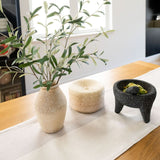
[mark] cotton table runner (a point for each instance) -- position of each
(103, 135)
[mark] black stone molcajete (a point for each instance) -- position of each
(143, 102)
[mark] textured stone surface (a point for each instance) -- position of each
(132, 90)
(143, 102)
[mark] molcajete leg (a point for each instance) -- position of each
(118, 106)
(146, 111)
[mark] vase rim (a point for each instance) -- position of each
(52, 87)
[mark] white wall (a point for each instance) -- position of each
(126, 44)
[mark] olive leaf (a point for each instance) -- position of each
(1, 9)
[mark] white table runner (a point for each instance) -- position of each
(103, 135)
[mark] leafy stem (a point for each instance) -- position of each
(58, 57)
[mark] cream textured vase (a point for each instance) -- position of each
(86, 95)
(50, 109)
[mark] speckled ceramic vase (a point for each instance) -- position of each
(50, 109)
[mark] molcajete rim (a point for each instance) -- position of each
(133, 100)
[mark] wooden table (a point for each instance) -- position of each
(18, 110)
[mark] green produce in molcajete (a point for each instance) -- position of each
(134, 88)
